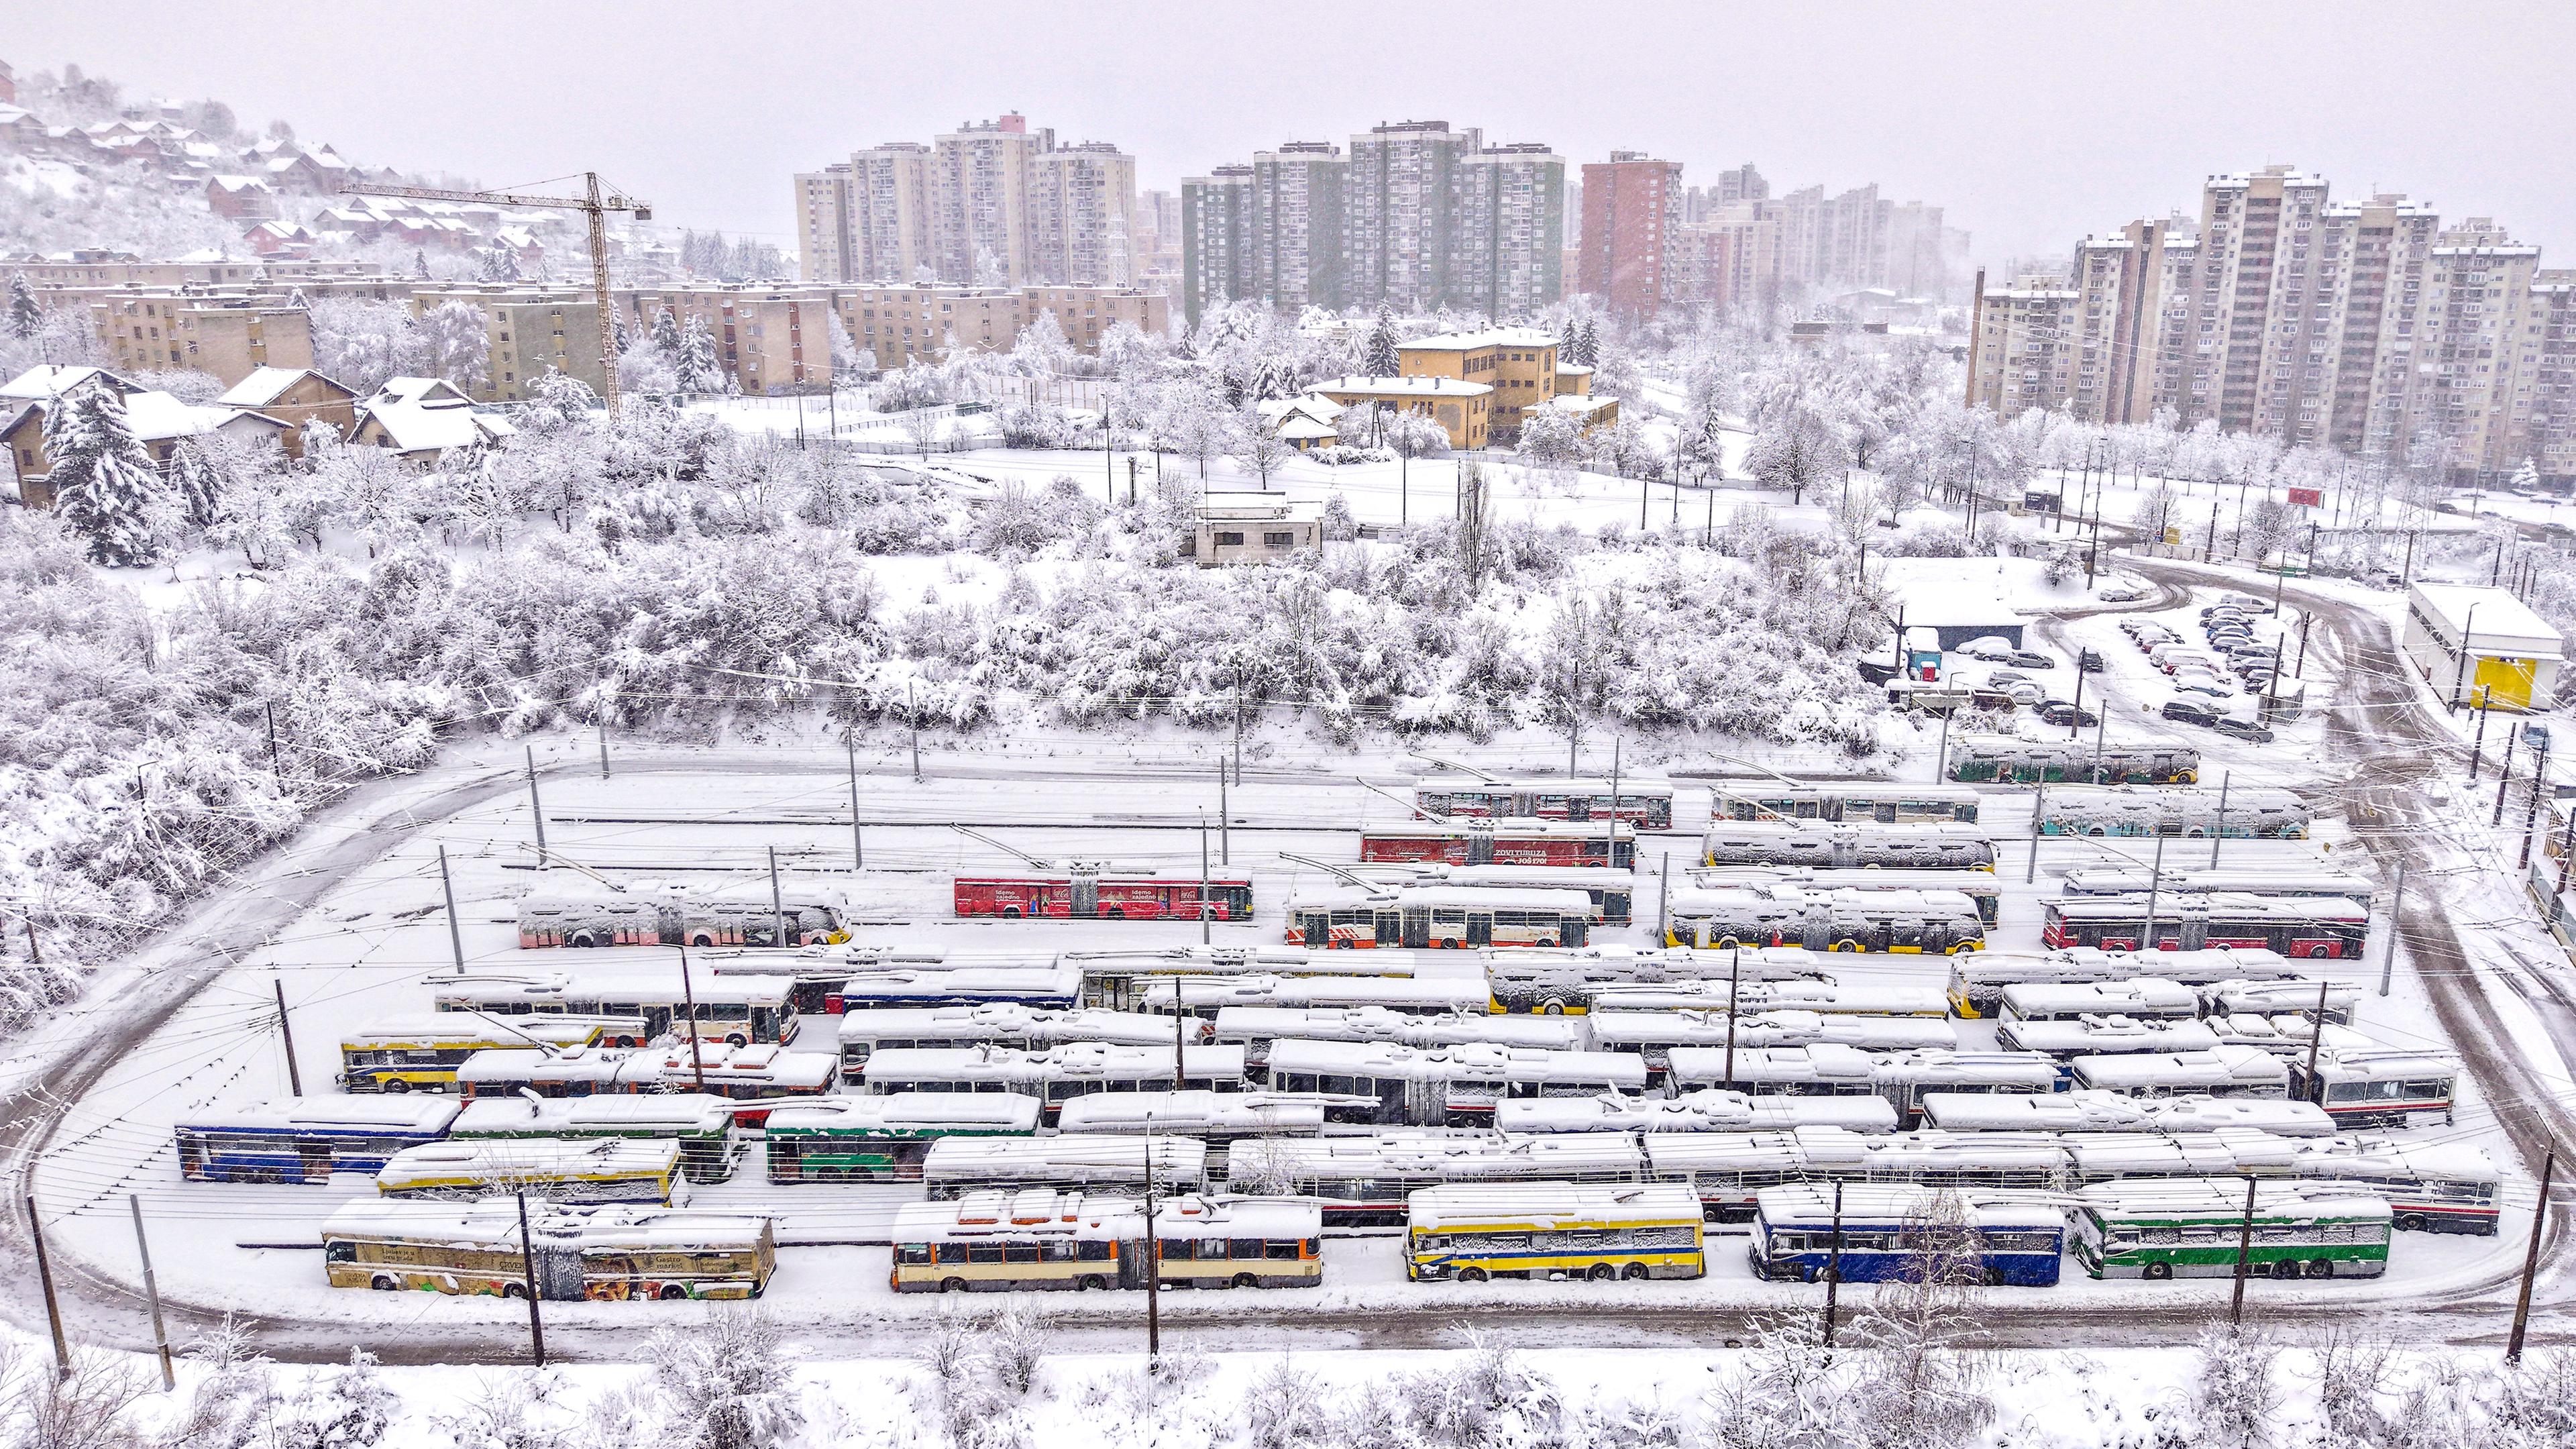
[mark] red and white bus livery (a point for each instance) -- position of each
(1646, 804)
(1439, 917)
(2329, 928)
(2377, 1086)
(1104, 897)
(1610, 844)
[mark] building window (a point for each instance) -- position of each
(1224, 540)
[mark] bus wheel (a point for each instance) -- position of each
(1602, 1273)
(514, 1290)
(1472, 1275)
(1546, 941)
(1246, 1280)
(952, 1285)
(382, 1283)
(1551, 1007)
(396, 1085)
(1847, 944)
(1633, 1272)
(737, 1039)
(1994, 1277)
(2409, 1222)
(2321, 1267)
(1807, 1273)
(1090, 1282)
(1728, 943)
(2160, 1271)
(674, 1290)
(1010, 913)
(2186, 777)
(2316, 953)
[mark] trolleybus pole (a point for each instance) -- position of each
(537, 807)
(45, 1279)
(2531, 1260)
(286, 1029)
(858, 846)
(152, 1294)
(1734, 985)
(2244, 1256)
(455, 938)
(1834, 1264)
(2038, 808)
(689, 999)
(2219, 834)
(2396, 905)
(528, 1280)
(2316, 1038)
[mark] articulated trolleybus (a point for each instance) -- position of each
(2005, 757)
(1852, 800)
(1887, 1233)
(2192, 1227)
(1722, 917)
(997, 1242)
(1846, 846)
(1083, 895)
(680, 916)
(2300, 927)
(1601, 1231)
(615, 1253)
(1646, 804)
(1439, 917)
(306, 1139)
(2192, 813)
(1478, 840)
(737, 1009)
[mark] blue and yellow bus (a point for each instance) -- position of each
(1470, 1232)
(1894, 1233)
(306, 1140)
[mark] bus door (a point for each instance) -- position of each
(2194, 933)
(1815, 931)
(1315, 928)
(1573, 931)
(559, 1274)
(1415, 1103)
(1086, 895)
(1480, 928)
(1388, 927)
(315, 1158)
(1417, 927)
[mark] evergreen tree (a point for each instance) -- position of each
(2526, 478)
(24, 315)
(419, 264)
(199, 486)
(104, 483)
(297, 300)
(666, 333)
(1381, 359)
(1569, 341)
(1588, 346)
(699, 369)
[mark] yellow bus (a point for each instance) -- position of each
(1040, 1239)
(565, 1169)
(1470, 1232)
(596, 1252)
(421, 1053)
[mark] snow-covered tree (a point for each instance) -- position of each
(1587, 343)
(698, 367)
(1041, 349)
(2526, 479)
(1550, 436)
(1339, 526)
(199, 485)
(1380, 358)
(647, 369)
(496, 263)
(666, 332)
(1792, 448)
(419, 265)
(361, 343)
(450, 343)
(989, 270)
(105, 485)
(1258, 446)
(851, 367)
(24, 315)
(561, 398)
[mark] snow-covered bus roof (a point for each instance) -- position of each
(1876, 1204)
(1192, 1112)
(493, 1222)
(2109, 880)
(1549, 1206)
(1775, 1066)
(500, 1161)
(1447, 995)
(1377, 1023)
(2091, 963)
(627, 981)
(1043, 1213)
(2064, 1001)
(1616, 1030)
(1617, 962)
(1507, 827)
(2265, 998)
(1821, 1149)
(1465, 1062)
(1712, 1109)
(897, 1113)
(2382, 1064)
(525, 1064)
(1545, 784)
(1103, 1157)
(678, 1112)
(428, 1115)
(1821, 996)
(1012, 1019)
(1771, 897)
(2034, 1070)
(1073, 1061)
(467, 1028)
(1431, 1153)
(2094, 1110)
(2222, 1199)
(929, 984)
(2223, 1066)
(1393, 895)
(2103, 1034)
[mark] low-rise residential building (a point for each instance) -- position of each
(1462, 409)
(418, 419)
(296, 396)
(1304, 423)
(1239, 528)
(242, 198)
(227, 336)
(160, 422)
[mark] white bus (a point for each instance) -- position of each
(1551, 983)
(1881, 801)
(1825, 997)
(1470, 1232)
(700, 1122)
(1055, 1076)
(1441, 1086)
(585, 1170)
(1644, 803)
(2386, 1086)
(1903, 922)
(1439, 917)
(2095, 1110)
(1037, 1240)
(1653, 1034)
(1220, 1119)
(2105, 1035)
(1708, 1110)
(2219, 1072)
(1979, 886)
(743, 915)
(1846, 847)
(736, 1009)
(1003, 1024)
(2143, 998)
(1904, 1077)
(606, 1253)
(1977, 982)
(1255, 1027)
(1822, 1070)
(1091, 1163)
(1728, 1170)
(2192, 812)
(1052, 988)
(1417, 995)
(1613, 892)
(1364, 1181)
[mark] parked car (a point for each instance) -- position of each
(1990, 649)
(2030, 659)
(2121, 593)
(2190, 712)
(2067, 712)
(2244, 729)
(2007, 676)
(2208, 684)
(2089, 660)
(2247, 602)
(2020, 691)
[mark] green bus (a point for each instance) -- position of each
(880, 1139)
(701, 1122)
(2194, 1227)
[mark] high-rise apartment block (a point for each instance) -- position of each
(2022, 353)
(1414, 215)
(992, 203)
(2369, 327)
(1632, 217)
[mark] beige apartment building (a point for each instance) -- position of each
(901, 324)
(230, 337)
(770, 339)
(528, 331)
(2023, 349)
(996, 193)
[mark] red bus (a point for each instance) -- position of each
(1611, 844)
(1088, 897)
(2299, 927)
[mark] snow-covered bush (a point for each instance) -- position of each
(726, 1383)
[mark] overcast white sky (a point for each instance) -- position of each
(2031, 123)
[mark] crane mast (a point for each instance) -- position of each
(593, 205)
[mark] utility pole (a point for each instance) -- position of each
(2531, 811)
(1663, 893)
(777, 904)
(1734, 986)
(592, 204)
(689, 1000)
(2504, 778)
(528, 1281)
(2219, 834)
(912, 713)
(1224, 816)
(45, 1279)
(1154, 1246)
(2244, 1259)
(2530, 1260)
(603, 744)
(537, 807)
(2478, 737)
(286, 1029)
(2038, 808)
(447, 887)
(858, 846)
(2155, 889)
(1203, 895)
(152, 1293)
(274, 771)
(1833, 1264)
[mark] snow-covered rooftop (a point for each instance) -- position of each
(1490, 337)
(1404, 387)
(266, 385)
(423, 414)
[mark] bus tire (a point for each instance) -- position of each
(2159, 1271)
(1847, 944)
(702, 939)
(383, 1283)
(1994, 1277)
(2409, 1223)
(952, 1285)
(1089, 1282)
(1546, 941)
(1246, 1280)
(2186, 777)
(1728, 943)
(736, 1039)
(1807, 1273)
(395, 1085)
(2321, 1267)
(1010, 913)
(514, 1290)
(1602, 1273)
(1633, 1272)
(673, 1291)
(2316, 953)
(1472, 1275)
(1551, 1007)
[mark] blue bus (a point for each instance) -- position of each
(1894, 1232)
(307, 1139)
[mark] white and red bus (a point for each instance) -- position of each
(1437, 917)
(1646, 804)
(1503, 841)
(2302, 927)
(1085, 896)
(2377, 1086)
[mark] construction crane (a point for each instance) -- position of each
(592, 204)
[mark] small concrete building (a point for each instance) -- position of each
(1238, 528)
(2480, 645)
